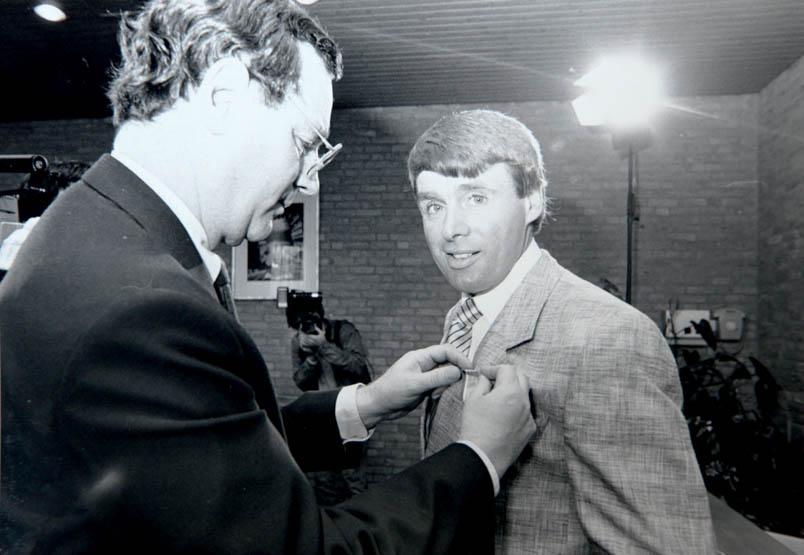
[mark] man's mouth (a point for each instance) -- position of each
(461, 259)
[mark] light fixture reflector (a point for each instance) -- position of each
(621, 93)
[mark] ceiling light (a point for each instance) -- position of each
(307, 2)
(50, 11)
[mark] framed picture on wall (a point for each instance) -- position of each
(288, 257)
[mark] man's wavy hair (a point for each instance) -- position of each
(168, 45)
(466, 144)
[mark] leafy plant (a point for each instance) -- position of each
(744, 458)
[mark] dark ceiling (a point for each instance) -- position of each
(402, 52)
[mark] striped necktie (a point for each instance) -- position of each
(460, 331)
(459, 335)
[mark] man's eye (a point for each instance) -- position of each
(477, 199)
(431, 208)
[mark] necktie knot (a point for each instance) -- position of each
(460, 331)
(467, 312)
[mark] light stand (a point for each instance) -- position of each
(633, 181)
(631, 142)
(621, 97)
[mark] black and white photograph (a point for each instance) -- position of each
(416, 277)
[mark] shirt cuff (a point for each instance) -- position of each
(350, 425)
(495, 479)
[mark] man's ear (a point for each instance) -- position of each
(534, 205)
(223, 84)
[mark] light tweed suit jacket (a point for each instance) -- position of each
(611, 468)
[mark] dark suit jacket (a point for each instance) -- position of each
(138, 415)
(612, 469)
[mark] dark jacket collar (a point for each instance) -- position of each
(116, 182)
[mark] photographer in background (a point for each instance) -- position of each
(326, 354)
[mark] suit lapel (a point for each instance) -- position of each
(516, 323)
(111, 179)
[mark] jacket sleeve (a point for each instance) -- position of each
(177, 450)
(635, 478)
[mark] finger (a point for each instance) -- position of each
(490, 372)
(481, 387)
(507, 376)
(436, 355)
(441, 376)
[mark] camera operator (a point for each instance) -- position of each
(327, 354)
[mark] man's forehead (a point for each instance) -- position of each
(494, 176)
(314, 88)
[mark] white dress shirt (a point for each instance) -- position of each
(492, 302)
(490, 305)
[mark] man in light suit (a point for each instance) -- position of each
(611, 468)
(138, 414)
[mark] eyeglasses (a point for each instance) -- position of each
(332, 151)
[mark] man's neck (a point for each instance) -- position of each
(133, 148)
(492, 302)
(176, 159)
(156, 147)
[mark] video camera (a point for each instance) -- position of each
(42, 184)
(305, 310)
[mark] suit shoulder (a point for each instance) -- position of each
(578, 300)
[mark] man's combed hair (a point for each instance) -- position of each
(466, 144)
(168, 45)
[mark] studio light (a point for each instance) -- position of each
(50, 11)
(622, 95)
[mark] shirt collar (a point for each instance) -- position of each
(492, 302)
(194, 229)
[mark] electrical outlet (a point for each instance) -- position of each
(678, 327)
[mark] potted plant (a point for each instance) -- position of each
(744, 457)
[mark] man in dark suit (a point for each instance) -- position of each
(137, 414)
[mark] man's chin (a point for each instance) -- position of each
(255, 234)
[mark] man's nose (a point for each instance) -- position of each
(455, 224)
(307, 182)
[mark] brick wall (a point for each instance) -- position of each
(781, 237)
(696, 239)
